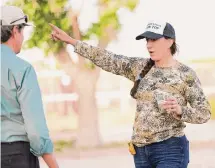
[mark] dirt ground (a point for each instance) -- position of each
(200, 157)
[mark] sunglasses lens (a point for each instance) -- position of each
(26, 19)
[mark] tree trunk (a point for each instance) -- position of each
(86, 80)
(85, 84)
(88, 130)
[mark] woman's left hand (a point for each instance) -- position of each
(172, 107)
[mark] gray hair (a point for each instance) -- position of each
(6, 32)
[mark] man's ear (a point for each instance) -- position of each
(14, 31)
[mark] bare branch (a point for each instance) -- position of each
(76, 34)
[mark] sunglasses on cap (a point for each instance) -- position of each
(25, 18)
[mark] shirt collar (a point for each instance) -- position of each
(7, 50)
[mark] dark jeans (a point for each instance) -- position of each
(18, 155)
(171, 153)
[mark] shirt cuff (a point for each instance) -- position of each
(45, 147)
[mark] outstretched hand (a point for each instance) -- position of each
(58, 34)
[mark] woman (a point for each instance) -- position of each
(162, 88)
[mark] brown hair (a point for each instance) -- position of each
(174, 48)
(6, 32)
(146, 69)
(143, 73)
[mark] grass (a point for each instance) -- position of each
(212, 103)
(110, 117)
(62, 144)
(206, 60)
(113, 117)
(61, 123)
(107, 117)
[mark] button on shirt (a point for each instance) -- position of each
(22, 114)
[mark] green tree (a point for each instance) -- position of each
(61, 14)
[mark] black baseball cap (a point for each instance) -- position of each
(156, 30)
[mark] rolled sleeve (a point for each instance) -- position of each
(29, 97)
(46, 147)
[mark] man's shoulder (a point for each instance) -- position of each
(23, 63)
(19, 65)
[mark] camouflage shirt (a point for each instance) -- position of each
(152, 124)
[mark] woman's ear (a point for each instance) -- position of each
(170, 42)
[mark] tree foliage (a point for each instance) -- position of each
(42, 12)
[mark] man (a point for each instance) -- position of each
(24, 133)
